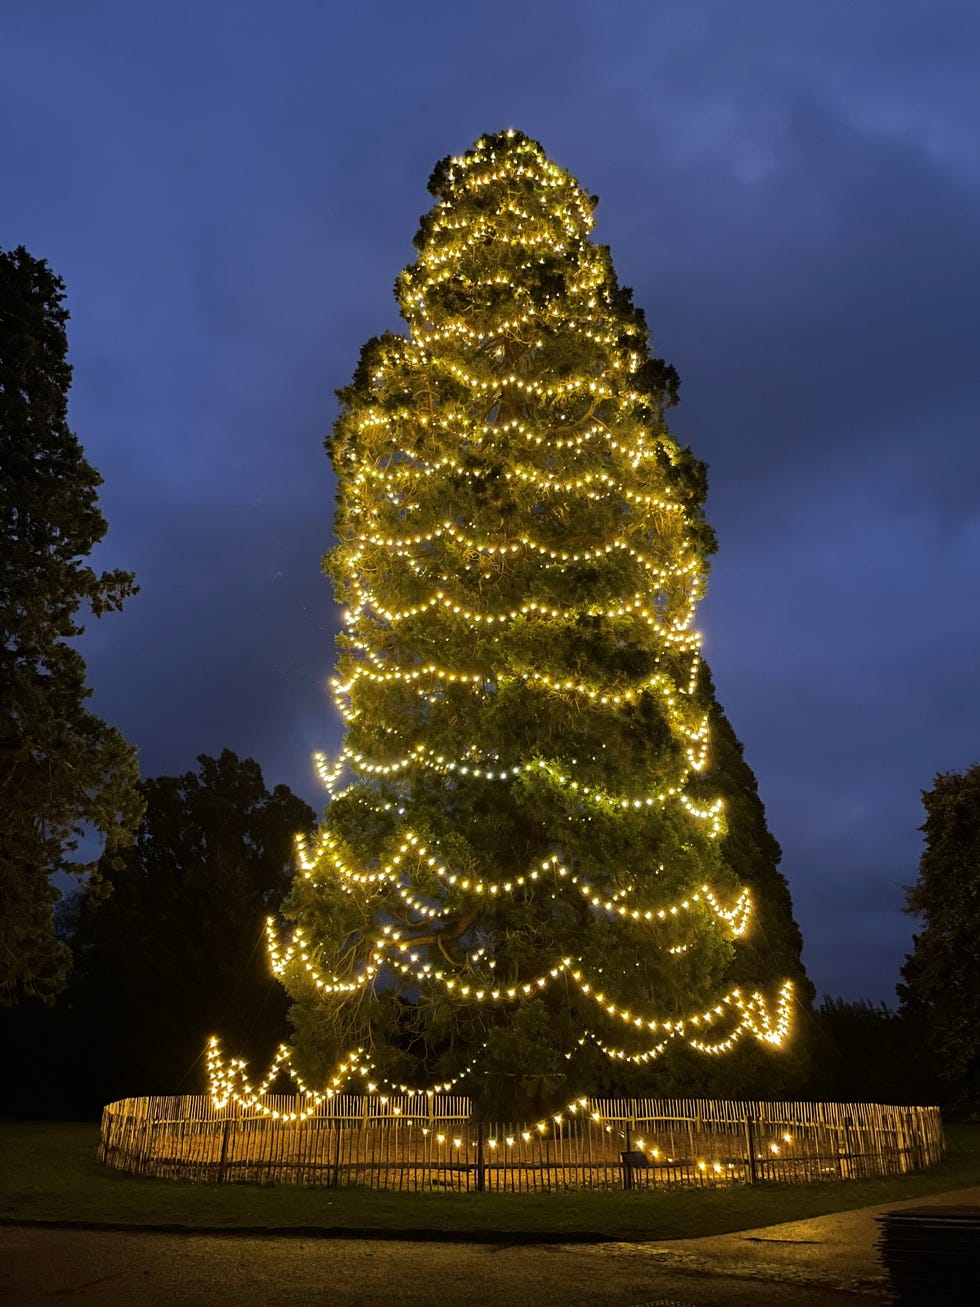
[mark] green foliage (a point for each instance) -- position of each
(773, 945)
(942, 980)
(521, 544)
(177, 951)
(64, 773)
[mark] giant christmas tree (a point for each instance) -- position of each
(513, 882)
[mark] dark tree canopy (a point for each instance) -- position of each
(64, 772)
(178, 949)
(942, 976)
(869, 1053)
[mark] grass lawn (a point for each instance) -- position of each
(49, 1172)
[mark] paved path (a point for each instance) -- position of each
(816, 1263)
(39, 1268)
(838, 1251)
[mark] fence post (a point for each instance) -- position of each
(751, 1174)
(628, 1158)
(223, 1164)
(176, 1137)
(918, 1151)
(481, 1170)
(336, 1154)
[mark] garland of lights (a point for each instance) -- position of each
(493, 507)
(736, 918)
(228, 1082)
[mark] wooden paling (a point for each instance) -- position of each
(408, 1143)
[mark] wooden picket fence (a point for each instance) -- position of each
(432, 1144)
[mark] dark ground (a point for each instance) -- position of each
(153, 1270)
(813, 1263)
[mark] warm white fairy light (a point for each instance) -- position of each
(391, 948)
(228, 1082)
(328, 850)
(753, 1019)
(635, 606)
(527, 542)
(450, 608)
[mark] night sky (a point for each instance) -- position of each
(792, 190)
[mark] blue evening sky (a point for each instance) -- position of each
(793, 191)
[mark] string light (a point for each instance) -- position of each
(328, 849)
(228, 1082)
(496, 509)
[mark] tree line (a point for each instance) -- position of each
(170, 950)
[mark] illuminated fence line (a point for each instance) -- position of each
(634, 1143)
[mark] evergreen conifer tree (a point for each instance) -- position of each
(516, 880)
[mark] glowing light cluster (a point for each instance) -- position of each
(735, 918)
(634, 606)
(515, 527)
(391, 943)
(471, 765)
(228, 1083)
(753, 1019)
(502, 548)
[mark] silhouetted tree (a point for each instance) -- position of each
(178, 949)
(872, 1054)
(942, 976)
(64, 772)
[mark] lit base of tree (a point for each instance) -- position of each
(505, 1095)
